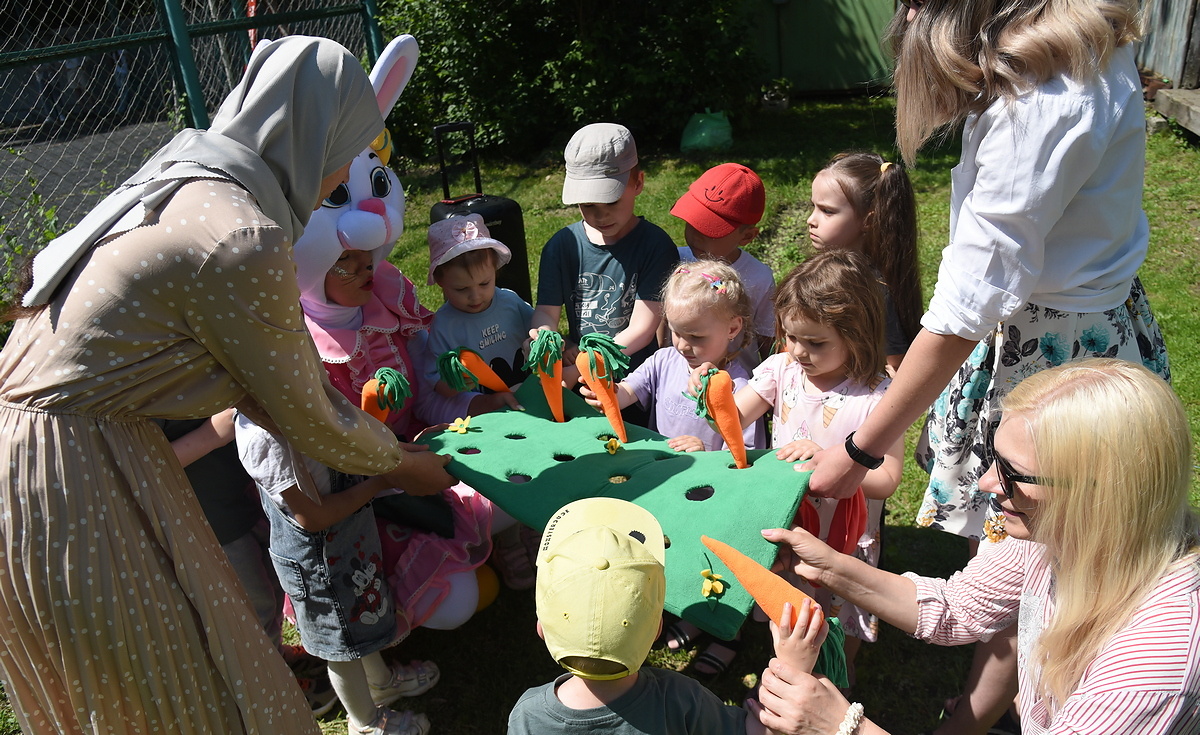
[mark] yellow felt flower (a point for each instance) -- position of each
(461, 425)
(612, 445)
(712, 584)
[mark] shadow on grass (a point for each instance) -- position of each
(490, 662)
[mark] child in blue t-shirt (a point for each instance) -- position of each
(463, 260)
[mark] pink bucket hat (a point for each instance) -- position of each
(453, 236)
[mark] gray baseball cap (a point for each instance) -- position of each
(599, 158)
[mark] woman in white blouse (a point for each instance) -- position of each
(1047, 234)
(1091, 467)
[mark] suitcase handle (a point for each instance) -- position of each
(454, 127)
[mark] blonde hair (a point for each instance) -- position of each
(710, 287)
(1113, 440)
(837, 288)
(958, 56)
(882, 197)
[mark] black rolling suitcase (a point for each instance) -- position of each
(501, 215)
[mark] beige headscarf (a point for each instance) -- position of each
(304, 108)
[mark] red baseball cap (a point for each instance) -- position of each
(722, 199)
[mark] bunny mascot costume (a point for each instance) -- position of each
(430, 576)
(174, 298)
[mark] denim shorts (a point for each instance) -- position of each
(337, 584)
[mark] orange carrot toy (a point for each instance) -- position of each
(385, 392)
(771, 591)
(458, 366)
(768, 589)
(714, 401)
(601, 365)
(545, 361)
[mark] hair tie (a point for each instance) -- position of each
(884, 166)
(715, 282)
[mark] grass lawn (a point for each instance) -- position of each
(901, 682)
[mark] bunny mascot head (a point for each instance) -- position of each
(366, 213)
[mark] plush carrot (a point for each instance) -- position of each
(768, 589)
(848, 524)
(771, 591)
(456, 366)
(809, 520)
(715, 402)
(601, 365)
(385, 392)
(545, 361)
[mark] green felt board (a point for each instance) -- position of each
(553, 464)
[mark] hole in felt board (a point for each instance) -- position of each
(519, 478)
(704, 492)
(618, 479)
(514, 436)
(606, 437)
(469, 450)
(563, 457)
(666, 541)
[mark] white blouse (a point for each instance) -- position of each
(1046, 203)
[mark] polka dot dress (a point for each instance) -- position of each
(118, 612)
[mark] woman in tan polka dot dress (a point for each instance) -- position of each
(175, 298)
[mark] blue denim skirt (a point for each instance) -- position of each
(336, 582)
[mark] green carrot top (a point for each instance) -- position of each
(394, 389)
(451, 369)
(616, 362)
(701, 397)
(545, 350)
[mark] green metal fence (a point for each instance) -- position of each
(89, 88)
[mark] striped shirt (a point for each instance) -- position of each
(1145, 680)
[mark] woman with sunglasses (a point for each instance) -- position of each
(1091, 466)
(1047, 234)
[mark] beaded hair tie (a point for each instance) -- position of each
(716, 283)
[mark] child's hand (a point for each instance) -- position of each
(570, 373)
(800, 449)
(694, 378)
(493, 402)
(427, 431)
(686, 444)
(589, 396)
(799, 645)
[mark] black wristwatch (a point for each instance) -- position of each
(858, 455)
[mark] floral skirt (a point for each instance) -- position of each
(1033, 339)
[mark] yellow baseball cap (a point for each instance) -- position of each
(600, 584)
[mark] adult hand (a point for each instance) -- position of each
(809, 555)
(686, 443)
(834, 474)
(798, 703)
(421, 473)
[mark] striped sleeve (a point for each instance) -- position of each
(1147, 679)
(976, 603)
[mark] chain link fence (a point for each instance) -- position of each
(89, 89)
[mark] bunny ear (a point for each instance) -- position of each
(393, 70)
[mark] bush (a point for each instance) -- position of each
(530, 72)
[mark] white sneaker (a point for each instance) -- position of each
(408, 680)
(390, 722)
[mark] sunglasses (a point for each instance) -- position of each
(912, 4)
(1004, 470)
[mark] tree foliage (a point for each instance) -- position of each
(530, 72)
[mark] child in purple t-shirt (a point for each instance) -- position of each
(707, 310)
